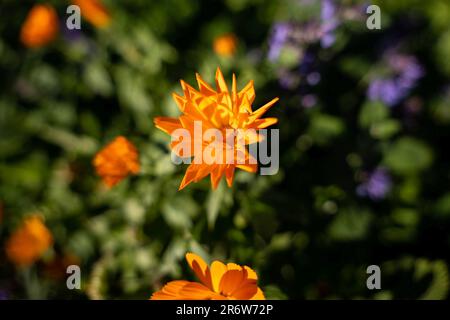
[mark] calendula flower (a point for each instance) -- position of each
(28, 242)
(40, 26)
(228, 112)
(218, 282)
(225, 45)
(116, 161)
(94, 11)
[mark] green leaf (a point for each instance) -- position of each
(372, 113)
(324, 128)
(97, 78)
(442, 207)
(289, 57)
(385, 129)
(442, 50)
(408, 156)
(178, 212)
(214, 203)
(438, 288)
(355, 66)
(350, 225)
(273, 292)
(406, 217)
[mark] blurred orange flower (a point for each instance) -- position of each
(28, 242)
(40, 26)
(94, 11)
(225, 45)
(56, 269)
(218, 282)
(116, 161)
(221, 110)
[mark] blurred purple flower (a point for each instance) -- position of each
(328, 10)
(279, 37)
(309, 101)
(377, 185)
(313, 78)
(406, 71)
(329, 23)
(287, 79)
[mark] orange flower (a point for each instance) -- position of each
(225, 45)
(40, 26)
(116, 161)
(94, 11)
(28, 242)
(220, 110)
(56, 269)
(218, 282)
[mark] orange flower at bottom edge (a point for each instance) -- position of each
(218, 282)
(94, 11)
(28, 242)
(40, 26)
(116, 161)
(225, 45)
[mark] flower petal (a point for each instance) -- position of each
(171, 291)
(196, 291)
(231, 281)
(258, 113)
(220, 81)
(218, 269)
(204, 87)
(167, 124)
(201, 269)
(259, 295)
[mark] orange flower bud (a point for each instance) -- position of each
(28, 242)
(225, 45)
(94, 11)
(116, 161)
(40, 26)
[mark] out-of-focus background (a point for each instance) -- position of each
(364, 119)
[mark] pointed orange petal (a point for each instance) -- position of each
(248, 91)
(216, 175)
(220, 81)
(245, 106)
(248, 167)
(263, 123)
(167, 124)
(258, 113)
(180, 101)
(194, 173)
(189, 92)
(229, 174)
(204, 87)
(234, 94)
